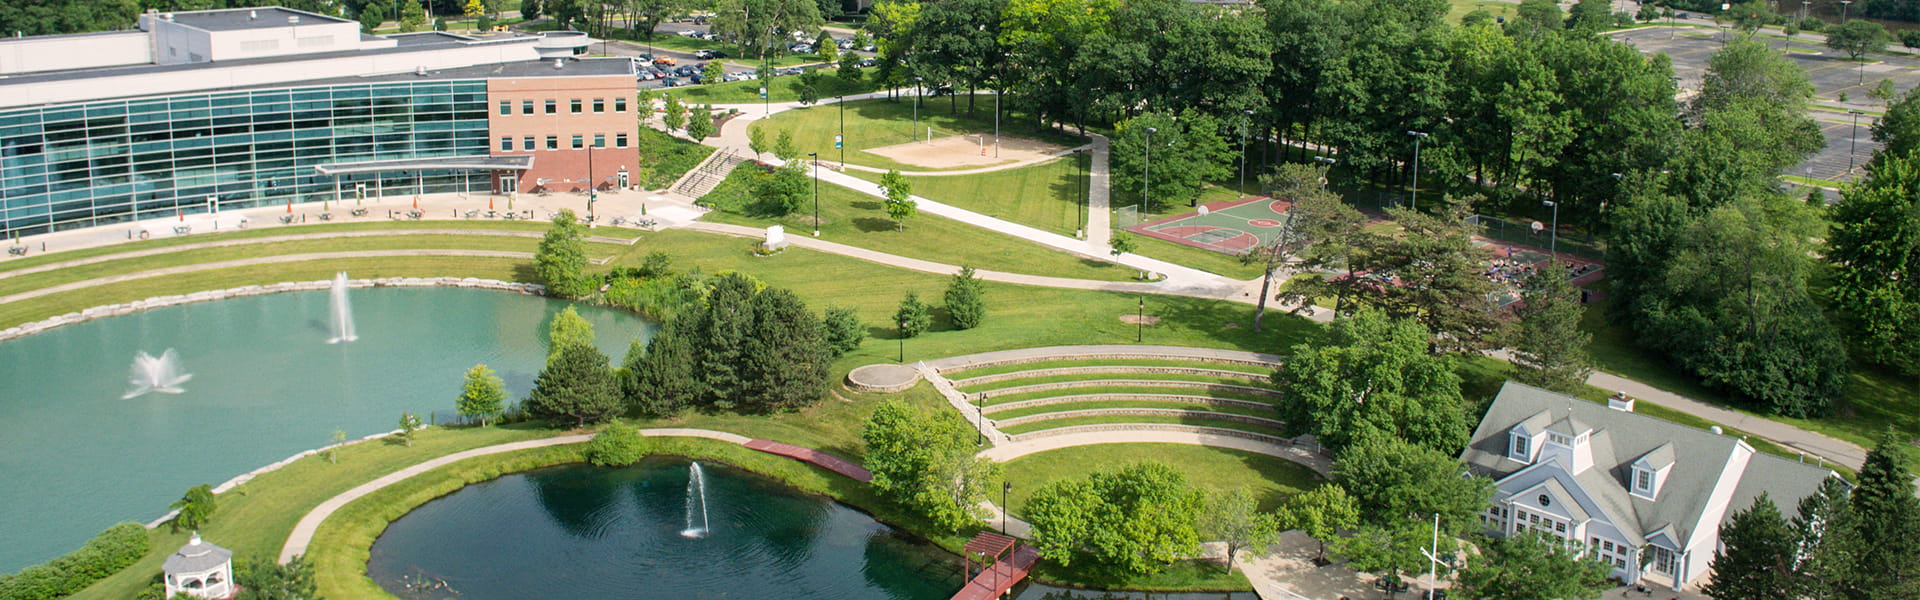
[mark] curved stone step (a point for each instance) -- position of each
(1078, 398)
(1068, 385)
(1109, 369)
(1139, 412)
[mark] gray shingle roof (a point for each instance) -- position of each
(196, 556)
(1698, 457)
(234, 19)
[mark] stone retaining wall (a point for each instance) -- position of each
(115, 310)
(1261, 437)
(1138, 412)
(1209, 401)
(867, 379)
(1110, 356)
(249, 475)
(1067, 385)
(1157, 370)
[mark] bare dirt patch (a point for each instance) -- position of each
(966, 151)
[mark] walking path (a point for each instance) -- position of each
(294, 238)
(260, 260)
(1099, 218)
(302, 535)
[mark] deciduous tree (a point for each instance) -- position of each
(409, 423)
(700, 124)
(1134, 519)
(560, 263)
(1393, 481)
(195, 508)
(1321, 513)
(1531, 566)
(567, 328)
(900, 203)
(483, 396)
(1234, 518)
(1372, 377)
(925, 460)
(1874, 248)
(1858, 38)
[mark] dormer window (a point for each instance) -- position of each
(1643, 482)
(1650, 471)
(1520, 449)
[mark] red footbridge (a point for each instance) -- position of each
(1003, 564)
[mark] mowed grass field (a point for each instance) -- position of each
(879, 123)
(1271, 480)
(1050, 196)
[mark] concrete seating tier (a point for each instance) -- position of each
(1084, 398)
(1151, 383)
(1145, 412)
(1109, 370)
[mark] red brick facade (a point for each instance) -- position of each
(563, 117)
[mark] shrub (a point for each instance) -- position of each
(844, 331)
(113, 550)
(617, 445)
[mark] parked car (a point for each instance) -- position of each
(706, 54)
(670, 82)
(941, 91)
(700, 20)
(844, 43)
(683, 71)
(866, 62)
(664, 61)
(801, 48)
(696, 78)
(692, 33)
(868, 48)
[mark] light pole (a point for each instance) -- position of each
(1243, 151)
(996, 123)
(1006, 489)
(915, 134)
(816, 192)
(1146, 179)
(1553, 243)
(1080, 206)
(979, 419)
(841, 141)
(1844, 5)
(1853, 138)
(1140, 323)
(1414, 203)
(903, 341)
(1326, 167)
(1433, 558)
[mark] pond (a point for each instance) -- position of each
(265, 384)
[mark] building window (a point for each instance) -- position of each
(579, 142)
(506, 144)
(619, 140)
(553, 142)
(1519, 447)
(1559, 527)
(526, 107)
(574, 105)
(552, 107)
(506, 107)
(599, 105)
(619, 105)
(526, 143)
(599, 140)
(1643, 482)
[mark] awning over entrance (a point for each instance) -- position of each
(489, 163)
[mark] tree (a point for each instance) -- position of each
(783, 191)
(828, 49)
(1132, 520)
(675, 115)
(409, 423)
(1593, 15)
(1858, 38)
(756, 137)
(720, 336)
(1874, 250)
(483, 396)
(576, 385)
(925, 460)
(913, 316)
(195, 508)
(1549, 349)
(660, 378)
(1392, 480)
(339, 437)
(763, 26)
(900, 203)
(1188, 151)
(1538, 17)
(413, 16)
(809, 88)
(1757, 557)
(617, 445)
(1821, 534)
(786, 357)
(1372, 377)
(1531, 566)
(965, 308)
(783, 147)
(1388, 549)
(648, 14)
(1322, 513)
(267, 580)
(372, 14)
(1436, 274)
(843, 330)
(1234, 518)
(1295, 183)
(700, 125)
(560, 263)
(530, 9)
(713, 72)
(849, 69)
(1884, 91)
(566, 329)
(1910, 38)
(1750, 15)
(1882, 528)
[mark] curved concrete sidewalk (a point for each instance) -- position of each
(262, 260)
(1069, 352)
(303, 531)
(272, 239)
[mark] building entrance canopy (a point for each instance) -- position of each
(441, 163)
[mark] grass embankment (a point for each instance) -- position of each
(784, 88)
(1189, 256)
(1232, 410)
(1197, 420)
(994, 399)
(1025, 381)
(880, 123)
(856, 219)
(1131, 362)
(666, 158)
(1049, 196)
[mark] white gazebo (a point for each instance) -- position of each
(200, 569)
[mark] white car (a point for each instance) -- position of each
(690, 33)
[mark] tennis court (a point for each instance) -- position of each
(1228, 227)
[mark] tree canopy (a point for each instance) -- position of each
(1372, 377)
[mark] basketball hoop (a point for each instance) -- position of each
(1538, 227)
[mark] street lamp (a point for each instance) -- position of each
(816, 192)
(1414, 203)
(1080, 207)
(979, 419)
(841, 140)
(903, 340)
(1243, 151)
(1853, 138)
(1553, 244)
(915, 134)
(1140, 323)
(1844, 5)
(1147, 177)
(1006, 489)
(1433, 559)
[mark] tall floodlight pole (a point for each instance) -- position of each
(1414, 202)
(842, 141)
(1844, 5)
(1853, 140)
(916, 108)
(1553, 243)
(1243, 151)
(996, 123)
(816, 192)
(1326, 166)
(1433, 559)
(1146, 179)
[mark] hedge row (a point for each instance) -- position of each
(114, 549)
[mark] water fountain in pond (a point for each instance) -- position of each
(696, 494)
(151, 374)
(341, 311)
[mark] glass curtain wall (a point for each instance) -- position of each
(105, 162)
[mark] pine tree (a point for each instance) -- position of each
(913, 316)
(843, 330)
(964, 306)
(1885, 528)
(577, 386)
(786, 358)
(1757, 556)
(722, 341)
(560, 263)
(1549, 349)
(1822, 537)
(700, 124)
(483, 396)
(660, 379)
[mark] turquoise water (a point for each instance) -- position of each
(75, 457)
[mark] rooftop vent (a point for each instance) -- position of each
(167, 16)
(559, 63)
(1715, 429)
(253, 14)
(295, 19)
(420, 70)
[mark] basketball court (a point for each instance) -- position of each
(1229, 227)
(968, 150)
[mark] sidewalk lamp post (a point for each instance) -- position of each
(1844, 5)
(1553, 239)
(840, 141)
(816, 192)
(1006, 489)
(1243, 151)
(915, 134)
(903, 341)
(1146, 178)
(1140, 323)
(1080, 208)
(996, 122)
(980, 419)
(1853, 140)
(1418, 136)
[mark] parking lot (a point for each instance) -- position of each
(733, 64)
(1830, 72)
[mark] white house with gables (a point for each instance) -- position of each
(1643, 494)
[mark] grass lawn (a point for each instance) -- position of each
(856, 219)
(1131, 362)
(1025, 381)
(879, 123)
(1194, 420)
(998, 398)
(1460, 8)
(666, 158)
(785, 88)
(1050, 196)
(1271, 480)
(1189, 256)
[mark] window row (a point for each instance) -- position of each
(574, 106)
(529, 144)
